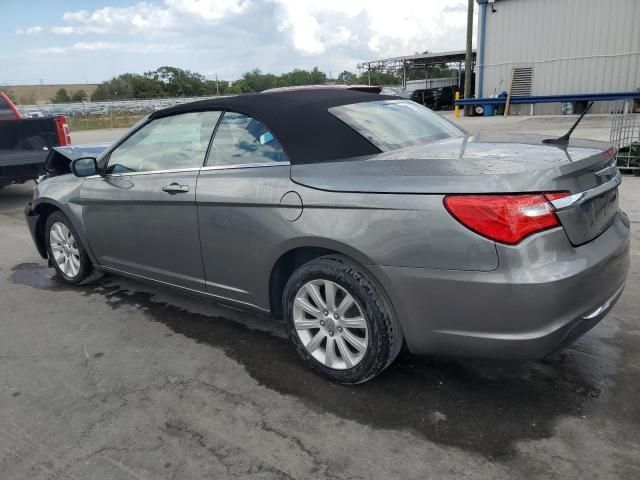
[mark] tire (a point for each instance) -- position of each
(478, 110)
(369, 320)
(66, 271)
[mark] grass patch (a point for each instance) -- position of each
(115, 120)
(630, 154)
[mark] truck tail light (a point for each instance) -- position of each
(504, 218)
(64, 134)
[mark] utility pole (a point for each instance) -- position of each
(404, 75)
(468, 58)
(217, 87)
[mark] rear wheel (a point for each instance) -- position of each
(65, 251)
(339, 321)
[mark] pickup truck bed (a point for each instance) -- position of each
(25, 144)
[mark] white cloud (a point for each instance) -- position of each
(208, 9)
(138, 18)
(48, 51)
(148, 18)
(92, 46)
(228, 37)
(77, 47)
(29, 30)
(139, 48)
(314, 26)
(389, 28)
(62, 30)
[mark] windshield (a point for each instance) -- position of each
(394, 124)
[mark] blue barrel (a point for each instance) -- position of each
(489, 110)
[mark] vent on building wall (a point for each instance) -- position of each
(521, 81)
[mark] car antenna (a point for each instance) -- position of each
(564, 139)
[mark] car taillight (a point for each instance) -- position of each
(64, 134)
(609, 153)
(504, 218)
(551, 196)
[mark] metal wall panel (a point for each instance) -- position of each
(413, 85)
(574, 46)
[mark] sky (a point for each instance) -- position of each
(89, 41)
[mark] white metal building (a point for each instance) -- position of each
(558, 47)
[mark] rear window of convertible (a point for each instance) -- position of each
(393, 124)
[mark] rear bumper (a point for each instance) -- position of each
(544, 294)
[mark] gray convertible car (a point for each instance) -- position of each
(366, 222)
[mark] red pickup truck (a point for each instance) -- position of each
(25, 142)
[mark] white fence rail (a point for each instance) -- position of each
(625, 137)
(102, 108)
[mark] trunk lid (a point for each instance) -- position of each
(482, 165)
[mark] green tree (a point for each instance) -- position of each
(379, 78)
(215, 87)
(175, 82)
(255, 81)
(433, 71)
(117, 88)
(62, 96)
(302, 77)
(144, 87)
(12, 96)
(178, 82)
(79, 96)
(347, 78)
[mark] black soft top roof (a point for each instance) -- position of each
(299, 119)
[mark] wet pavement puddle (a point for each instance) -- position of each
(479, 406)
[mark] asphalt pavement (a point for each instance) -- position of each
(122, 380)
(594, 127)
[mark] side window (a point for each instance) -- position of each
(241, 140)
(168, 143)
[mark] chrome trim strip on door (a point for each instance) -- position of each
(246, 165)
(580, 198)
(150, 172)
(225, 287)
(195, 169)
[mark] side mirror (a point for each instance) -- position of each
(84, 167)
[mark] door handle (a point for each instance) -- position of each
(174, 188)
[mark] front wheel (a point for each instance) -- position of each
(339, 320)
(65, 251)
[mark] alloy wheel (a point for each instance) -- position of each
(64, 248)
(330, 324)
